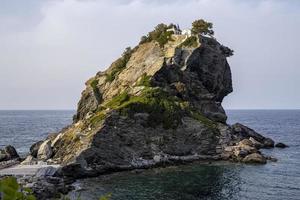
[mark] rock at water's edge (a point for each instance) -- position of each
(281, 145)
(243, 132)
(8, 153)
(29, 160)
(35, 148)
(255, 158)
(45, 151)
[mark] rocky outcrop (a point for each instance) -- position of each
(35, 148)
(281, 145)
(255, 158)
(245, 142)
(242, 131)
(45, 150)
(156, 105)
(8, 153)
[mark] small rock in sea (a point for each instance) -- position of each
(255, 158)
(268, 143)
(281, 145)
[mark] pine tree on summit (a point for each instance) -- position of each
(202, 27)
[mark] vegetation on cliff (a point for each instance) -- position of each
(190, 42)
(159, 34)
(119, 64)
(162, 107)
(145, 80)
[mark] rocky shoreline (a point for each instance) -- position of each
(51, 181)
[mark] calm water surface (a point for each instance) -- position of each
(280, 180)
(22, 128)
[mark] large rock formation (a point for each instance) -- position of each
(155, 105)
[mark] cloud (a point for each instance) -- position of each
(48, 50)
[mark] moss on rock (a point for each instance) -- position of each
(204, 120)
(97, 118)
(145, 80)
(163, 109)
(97, 93)
(190, 42)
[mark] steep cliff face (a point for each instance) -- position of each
(154, 105)
(199, 75)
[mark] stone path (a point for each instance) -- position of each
(24, 170)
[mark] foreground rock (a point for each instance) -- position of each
(8, 153)
(45, 150)
(42, 179)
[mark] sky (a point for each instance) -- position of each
(49, 48)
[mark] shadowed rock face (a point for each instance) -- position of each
(203, 80)
(154, 106)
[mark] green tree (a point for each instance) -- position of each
(119, 64)
(127, 51)
(144, 39)
(158, 30)
(203, 27)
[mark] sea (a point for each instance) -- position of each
(223, 180)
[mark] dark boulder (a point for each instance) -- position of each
(281, 145)
(244, 132)
(35, 148)
(241, 132)
(11, 152)
(8, 153)
(268, 143)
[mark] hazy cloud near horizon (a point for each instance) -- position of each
(48, 49)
